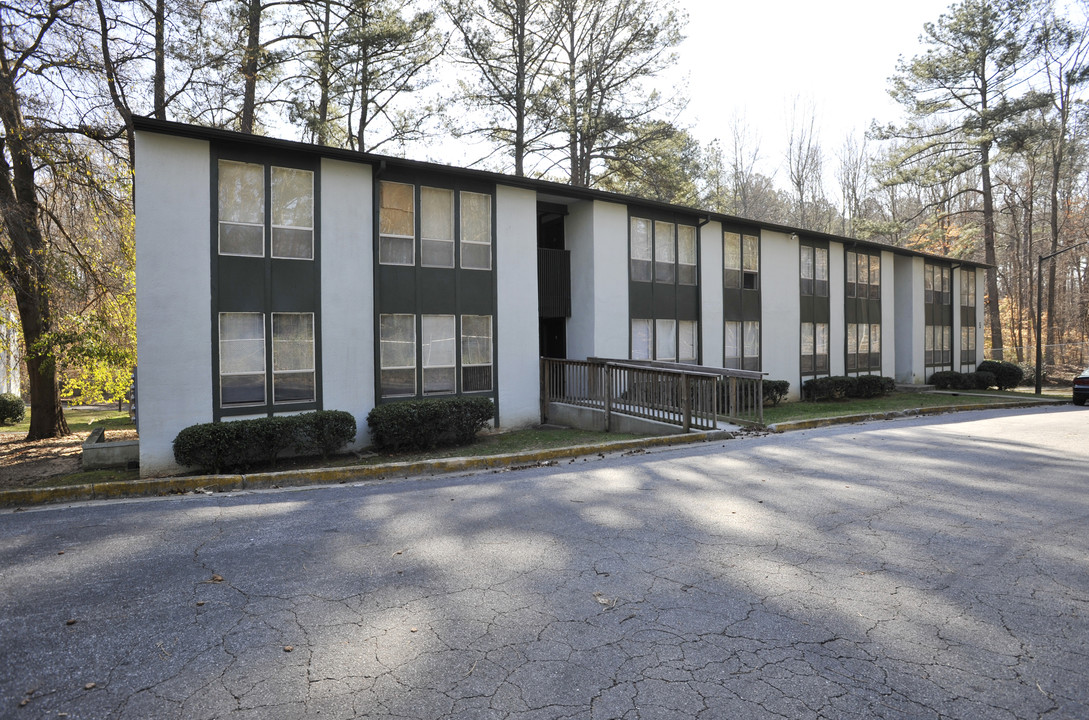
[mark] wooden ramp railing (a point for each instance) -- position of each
(690, 396)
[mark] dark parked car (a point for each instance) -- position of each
(1081, 387)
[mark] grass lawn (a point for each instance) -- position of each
(890, 403)
(82, 420)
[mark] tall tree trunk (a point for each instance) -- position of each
(322, 135)
(994, 304)
(25, 267)
(159, 82)
(249, 66)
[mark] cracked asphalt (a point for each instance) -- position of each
(919, 568)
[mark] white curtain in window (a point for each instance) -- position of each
(752, 339)
(641, 334)
(688, 343)
(665, 340)
(398, 341)
(752, 253)
(241, 343)
(476, 231)
(476, 339)
(731, 251)
(436, 227)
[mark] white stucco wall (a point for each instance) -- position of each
(888, 315)
(780, 311)
(173, 293)
(711, 322)
(517, 322)
(910, 320)
(597, 236)
(347, 291)
(837, 301)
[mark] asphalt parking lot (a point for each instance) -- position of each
(919, 568)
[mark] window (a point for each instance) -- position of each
(731, 260)
(807, 269)
(436, 227)
(292, 213)
(852, 275)
(688, 342)
(814, 357)
(814, 270)
(750, 259)
(751, 360)
(946, 285)
(875, 346)
(476, 353)
(642, 336)
(396, 224)
(438, 354)
(241, 359)
(665, 270)
(241, 209)
(293, 357)
(928, 284)
(686, 255)
(641, 253)
(875, 277)
(937, 344)
(665, 340)
(968, 288)
(967, 346)
(476, 231)
(397, 339)
(732, 353)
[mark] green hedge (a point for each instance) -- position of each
(240, 444)
(425, 424)
(775, 391)
(953, 380)
(12, 409)
(1007, 375)
(839, 387)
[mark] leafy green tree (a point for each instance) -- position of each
(960, 94)
(668, 169)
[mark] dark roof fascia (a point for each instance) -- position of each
(197, 132)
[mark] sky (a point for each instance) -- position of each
(755, 59)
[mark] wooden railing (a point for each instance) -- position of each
(691, 396)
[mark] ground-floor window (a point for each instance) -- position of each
(937, 344)
(863, 346)
(968, 346)
(243, 366)
(814, 358)
(665, 339)
(441, 353)
(742, 345)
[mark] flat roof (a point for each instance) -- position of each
(554, 190)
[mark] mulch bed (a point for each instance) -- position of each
(25, 463)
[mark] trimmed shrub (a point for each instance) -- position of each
(981, 380)
(425, 424)
(324, 432)
(871, 386)
(775, 391)
(1007, 375)
(241, 443)
(838, 387)
(211, 446)
(950, 380)
(12, 409)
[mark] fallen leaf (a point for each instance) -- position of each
(412, 630)
(200, 603)
(606, 602)
(217, 578)
(60, 552)
(24, 702)
(71, 621)
(288, 648)
(88, 686)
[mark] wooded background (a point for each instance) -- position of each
(988, 161)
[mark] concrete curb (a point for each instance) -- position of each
(915, 412)
(330, 476)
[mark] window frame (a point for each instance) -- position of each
(383, 367)
(382, 235)
(473, 243)
(465, 366)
